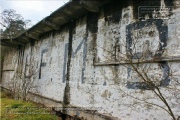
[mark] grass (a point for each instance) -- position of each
(18, 110)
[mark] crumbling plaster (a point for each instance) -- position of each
(92, 80)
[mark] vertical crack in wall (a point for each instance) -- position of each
(31, 54)
(84, 53)
(66, 99)
(20, 58)
(40, 67)
(91, 26)
(91, 30)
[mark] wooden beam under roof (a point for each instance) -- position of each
(13, 41)
(29, 35)
(91, 6)
(50, 24)
(69, 11)
(8, 44)
(17, 42)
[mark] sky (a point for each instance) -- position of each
(34, 10)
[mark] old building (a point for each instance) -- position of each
(91, 55)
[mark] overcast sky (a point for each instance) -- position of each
(34, 10)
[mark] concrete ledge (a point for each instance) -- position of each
(75, 113)
(167, 59)
(58, 107)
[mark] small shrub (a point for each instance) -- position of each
(16, 105)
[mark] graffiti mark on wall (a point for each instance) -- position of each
(158, 75)
(147, 39)
(42, 64)
(65, 61)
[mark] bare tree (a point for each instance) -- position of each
(149, 71)
(23, 80)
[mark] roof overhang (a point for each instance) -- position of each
(69, 11)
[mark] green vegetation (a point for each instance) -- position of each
(19, 110)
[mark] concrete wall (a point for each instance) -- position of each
(10, 59)
(82, 62)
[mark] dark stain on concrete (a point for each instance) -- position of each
(104, 84)
(113, 10)
(137, 3)
(92, 22)
(66, 98)
(91, 26)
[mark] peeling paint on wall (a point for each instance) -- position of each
(81, 64)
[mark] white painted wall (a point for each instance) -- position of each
(99, 88)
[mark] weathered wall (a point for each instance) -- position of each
(10, 59)
(50, 58)
(85, 57)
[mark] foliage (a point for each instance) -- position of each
(13, 24)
